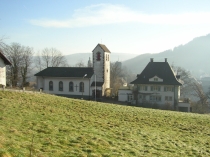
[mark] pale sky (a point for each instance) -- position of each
(135, 26)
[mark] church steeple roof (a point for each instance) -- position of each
(104, 48)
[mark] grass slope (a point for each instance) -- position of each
(45, 125)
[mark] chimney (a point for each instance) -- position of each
(151, 59)
(178, 77)
(165, 59)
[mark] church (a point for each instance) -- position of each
(90, 83)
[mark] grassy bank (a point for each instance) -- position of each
(45, 125)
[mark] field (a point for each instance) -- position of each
(44, 125)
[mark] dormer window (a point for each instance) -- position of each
(98, 58)
(155, 79)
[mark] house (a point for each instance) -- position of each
(158, 84)
(3, 62)
(79, 82)
(125, 94)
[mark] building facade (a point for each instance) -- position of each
(3, 62)
(79, 82)
(157, 84)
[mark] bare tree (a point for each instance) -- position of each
(50, 57)
(26, 63)
(53, 58)
(187, 79)
(14, 53)
(200, 106)
(38, 62)
(80, 64)
(2, 43)
(115, 77)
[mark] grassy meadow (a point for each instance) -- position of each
(42, 125)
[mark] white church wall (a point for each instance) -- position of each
(2, 73)
(40, 82)
(66, 81)
(107, 70)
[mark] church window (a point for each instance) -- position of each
(98, 58)
(51, 85)
(60, 86)
(71, 86)
(81, 86)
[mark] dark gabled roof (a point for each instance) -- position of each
(104, 48)
(6, 61)
(66, 72)
(160, 69)
(98, 84)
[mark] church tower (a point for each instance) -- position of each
(101, 67)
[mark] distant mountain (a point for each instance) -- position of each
(193, 56)
(73, 59)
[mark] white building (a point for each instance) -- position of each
(79, 82)
(3, 62)
(125, 94)
(157, 84)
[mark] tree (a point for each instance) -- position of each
(2, 43)
(21, 59)
(186, 79)
(14, 54)
(50, 57)
(201, 106)
(80, 64)
(193, 89)
(26, 63)
(115, 77)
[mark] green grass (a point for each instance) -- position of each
(47, 125)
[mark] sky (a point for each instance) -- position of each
(73, 26)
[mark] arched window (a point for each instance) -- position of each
(98, 58)
(60, 86)
(51, 85)
(71, 86)
(81, 86)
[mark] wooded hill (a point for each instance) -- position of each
(193, 56)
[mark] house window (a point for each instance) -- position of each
(130, 97)
(81, 86)
(168, 98)
(98, 58)
(51, 85)
(144, 88)
(155, 98)
(71, 86)
(168, 88)
(155, 79)
(60, 86)
(155, 88)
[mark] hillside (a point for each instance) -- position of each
(193, 56)
(46, 125)
(73, 59)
